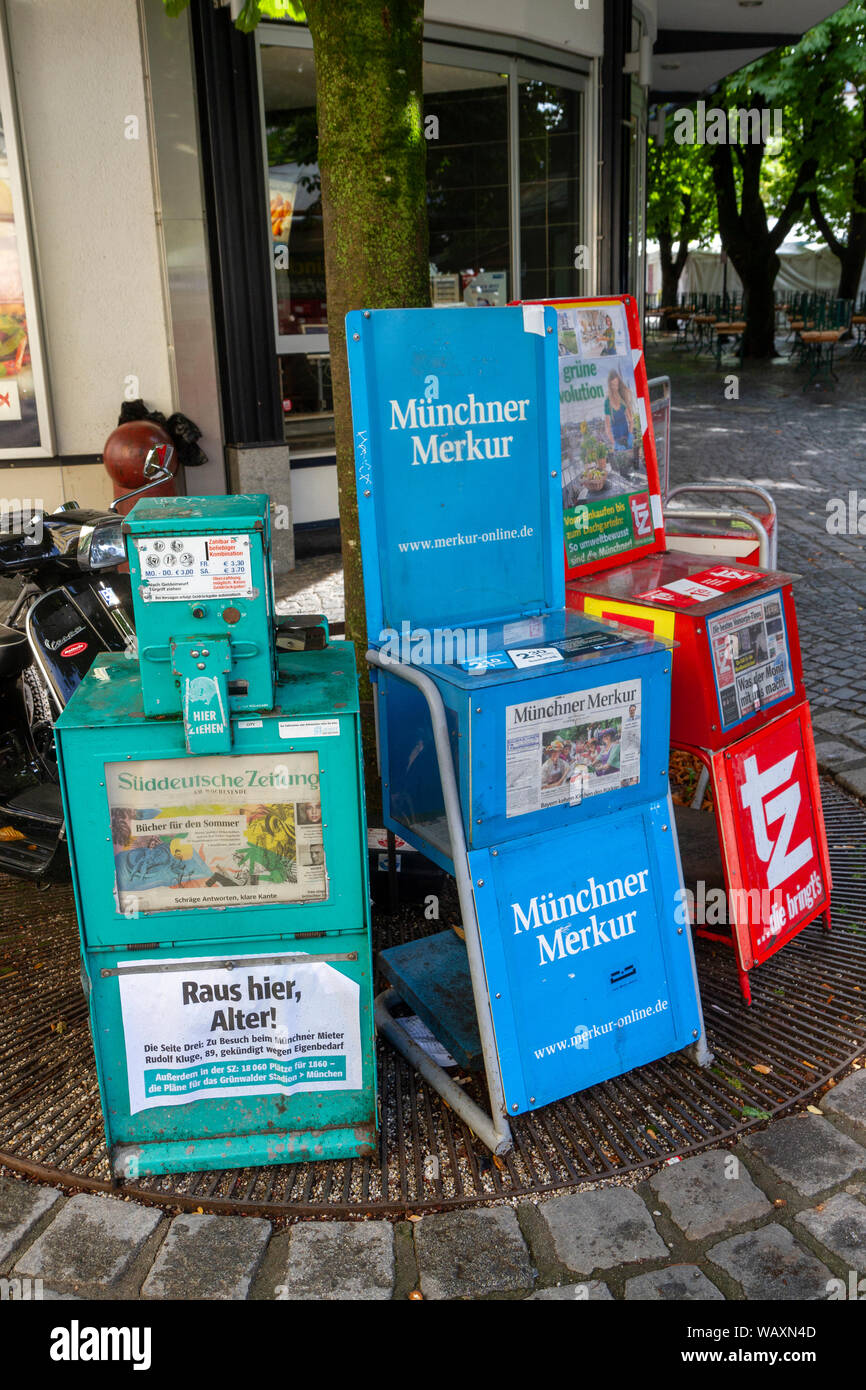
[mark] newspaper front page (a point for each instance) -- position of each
(750, 657)
(559, 750)
(216, 831)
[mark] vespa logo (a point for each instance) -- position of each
(53, 645)
(767, 809)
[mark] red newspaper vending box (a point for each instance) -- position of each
(739, 706)
(738, 702)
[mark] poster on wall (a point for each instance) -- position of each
(24, 421)
(272, 1028)
(216, 832)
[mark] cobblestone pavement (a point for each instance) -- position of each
(315, 585)
(781, 1217)
(808, 448)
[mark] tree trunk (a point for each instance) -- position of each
(372, 161)
(670, 276)
(852, 269)
(851, 256)
(748, 240)
(759, 304)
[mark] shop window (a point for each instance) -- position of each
(493, 203)
(25, 430)
(550, 167)
(466, 113)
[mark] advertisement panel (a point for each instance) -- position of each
(587, 979)
(611, 497)
(779, 835)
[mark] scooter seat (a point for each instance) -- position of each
(14, 652)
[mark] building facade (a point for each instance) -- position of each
(165, 217)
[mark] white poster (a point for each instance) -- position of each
(255, 1030)
(560, 750)
(216, 831)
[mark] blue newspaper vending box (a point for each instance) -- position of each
(523, 747)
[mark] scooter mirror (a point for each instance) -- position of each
(157, 468)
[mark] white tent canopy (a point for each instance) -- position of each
(804, 268)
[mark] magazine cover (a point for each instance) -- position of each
(605, 484)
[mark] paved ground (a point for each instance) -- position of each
(782, 1217)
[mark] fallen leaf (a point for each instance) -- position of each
(762, 1068)
(813, 1110)
(413, 1216)
(807, 1064)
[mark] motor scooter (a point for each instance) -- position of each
(74, 602)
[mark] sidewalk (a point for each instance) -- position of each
(780, 1217)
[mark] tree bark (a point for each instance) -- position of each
(372, 162)
(852, 259)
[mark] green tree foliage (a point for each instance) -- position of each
(828, 69)
(681, 206)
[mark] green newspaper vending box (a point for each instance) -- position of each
(224, 912)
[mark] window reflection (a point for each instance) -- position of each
(294, 187)
(550, 170)
(466, 112)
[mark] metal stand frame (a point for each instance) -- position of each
(495, 1132)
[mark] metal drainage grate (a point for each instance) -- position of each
(807, 1022)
